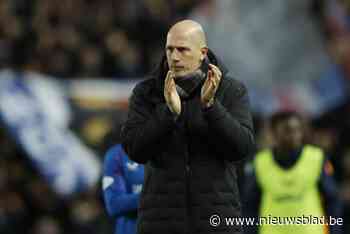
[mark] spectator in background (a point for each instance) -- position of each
(86, 215)
(345, 189)
(337, 26)
(122, 184)
(47, 225)
(291, 179)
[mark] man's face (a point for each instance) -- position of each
(289, 133)
(184, 55)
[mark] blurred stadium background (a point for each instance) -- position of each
(68, 67)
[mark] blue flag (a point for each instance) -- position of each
(55, 151)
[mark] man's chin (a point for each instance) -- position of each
(180, 74)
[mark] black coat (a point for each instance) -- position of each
(190, 169)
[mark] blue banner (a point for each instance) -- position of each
(56, 152)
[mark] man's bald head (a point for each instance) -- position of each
(191, 29)
(186, 47)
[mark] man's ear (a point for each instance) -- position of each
(204, 52)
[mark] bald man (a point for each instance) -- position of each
(189, 123)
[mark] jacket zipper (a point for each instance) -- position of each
(188, 212)
(187, 172)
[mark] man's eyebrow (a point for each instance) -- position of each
(183, 48)
(177, 47)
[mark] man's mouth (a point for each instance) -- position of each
(176, 68)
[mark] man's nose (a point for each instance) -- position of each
(175, 56)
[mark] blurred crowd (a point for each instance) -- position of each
(336, 21)
(86, 38)
(90, 38)
(121, 39)
(29, 205)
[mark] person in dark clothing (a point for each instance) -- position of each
(189, 123)
(292, 179)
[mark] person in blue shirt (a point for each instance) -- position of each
(122, 184)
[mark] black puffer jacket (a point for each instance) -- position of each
(190, 171)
